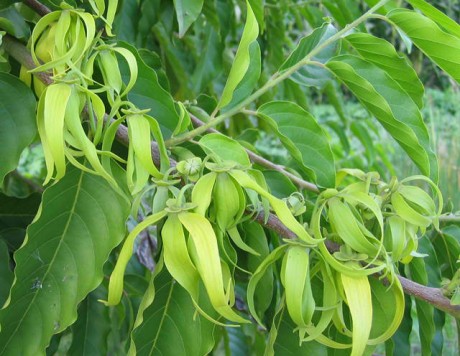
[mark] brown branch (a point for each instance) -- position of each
(38, 7)
(255, 158)
(430, 295)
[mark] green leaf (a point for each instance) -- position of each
(250, 79)
(225, 148)
(312, 75)
(82, 219)
(381, 53)
(434, 14)
(401, 338)
(17, 121)
(254, 236)
(447, 247)
(210, 61)
(13, 23)
(187, 12)
(361, 131)
(7, 3)
(148, 94)
(442, 47)
(433, 272)
(280, 185)
(171, 325)
(258, 9)
(425, 311)
(15, 215)
(242, 58)
(303, 137)
(391, 106)
(17, 212)
(287, 341)
(6, 275)
(92, 327)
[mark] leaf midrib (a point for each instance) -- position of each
(71, 212)
(166, 306)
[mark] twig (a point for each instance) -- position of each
(455, 217)
(255, 158)
(430, 295)
(38, 7)
(20, 52)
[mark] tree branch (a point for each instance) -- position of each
(430, 295)
(38, 7)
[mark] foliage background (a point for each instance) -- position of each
(194, 69)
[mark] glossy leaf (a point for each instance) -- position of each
(81, 221)
(280, 186)
(303, 137)
(187, 12)
(436, 15)
(391, 105)
(171, 325)
(148, 94)
(381, 53)
(442, 47)
(312, 75)
(17, 121)
(242, 58)
(225, 148)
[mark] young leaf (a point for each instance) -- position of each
(250, 79)
(17, 121)
(187, 12)
(242, 58)
(82, 219)
(303, 137)
(312, 75)
(381, 53)
(391, 105)
(442, 47)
